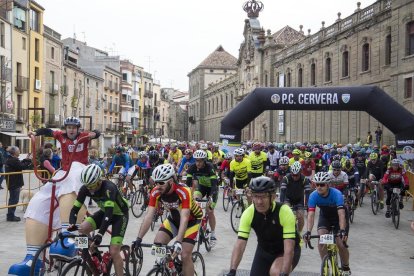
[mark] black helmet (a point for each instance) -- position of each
(120, 149)
(72, 121)
(153, 156)
(262, 184)
(336, 164)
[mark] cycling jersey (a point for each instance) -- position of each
(143, 165)
(175, 155)
(205, 176)
(123, 160)
(376, 169)
(273, 159)
(257, 162)
(109, 200)
(185, 162)
(292, 160)
(271, 229)
(328, 205)
(218, 156)
(361, 166)
(280, 173)
(396, 176)
(180, 198)
(293, 191)
(339, 182)
(241, 169)
(308, 167)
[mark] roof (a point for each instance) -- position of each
(287, 36)
(219, 59)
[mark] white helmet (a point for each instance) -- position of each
(163, 172)
(239, 151)
(228, 156)
(200, 154)
(284, 160)
(203, 146)
(90, 175)
(296, 167)
(322, 177)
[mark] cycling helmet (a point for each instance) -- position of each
(142, 154)
(90, 175)
(321, 177)
(325, 147)
(271, 146)
(296, 151)
(395, 162)
(256, 146)
(336, 164)
(200, 154)
(154, 156)
(188, 151)
(384, 147)
(120, 149)
(262, 184)
(239, 151)
(296, 167)
(315, 150)
(163, 172)
(72, 121)
(284, 160)
(302, 147)
(203, 146)
(373, 156)
(308, 154)
(228, 156)
(336, 157)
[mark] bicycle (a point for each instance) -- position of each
(238, 208)
(204, 229)
(350, 202)
(227, 194)
(49, 265)
(361, 188)
(140, 198)
(168, 264)
(375, 202)
(329, 266)
(160, 214)
(93, 261)
(395, 207)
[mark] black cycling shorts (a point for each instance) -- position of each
(241, 184)
(263, 260)
(327, 223)
(205, 191)
(119, 225)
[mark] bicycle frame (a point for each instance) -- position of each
(53, 198)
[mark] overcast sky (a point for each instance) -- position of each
(170, 38)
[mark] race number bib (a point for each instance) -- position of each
(81, 242)
(159, 251)
(140, 182)
(326, 239)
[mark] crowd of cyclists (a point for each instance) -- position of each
(281, 180)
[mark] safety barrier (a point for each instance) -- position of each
(30, 187)
(410, 176)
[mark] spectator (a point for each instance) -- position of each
(2, 161)
(46, 162)
(369, 138)
(15, 182)
(378, 134)
(56, 158)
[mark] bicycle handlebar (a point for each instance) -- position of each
(32, 138)
(308, 243)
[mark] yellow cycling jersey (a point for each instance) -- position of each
(209, 155)
(257, 161)
(241, 169)
(176, 156)
(292, 160)
(218, 156)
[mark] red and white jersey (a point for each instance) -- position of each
(395, 176)
(68, 146)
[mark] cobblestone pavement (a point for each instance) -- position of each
(376, 247)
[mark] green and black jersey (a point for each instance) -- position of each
(109, 200)
(205, 176)
(271, 229)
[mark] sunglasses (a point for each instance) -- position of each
(161, 183)
(336, 170)
(320, 184)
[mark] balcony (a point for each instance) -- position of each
(64, 90)
(53, 89)
(22, 84)
(21, 115)
(116, 87)
(106, 85)
(53, 120)
(148, 94)
(147, 110)
(6, 75)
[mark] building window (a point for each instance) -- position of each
(266, 80)
(19, 15)
(34, 21)
(328, 70)
(388, 50)
(408, 88)
(288, 79)
(37, 49)
(313, 74)
(52, 52)
(124, 76)
(23, 43)
(2, 34)
(410, 38)
(277, 80)
(365, 57)
(345, 64)
(300, 77)
(211, 71)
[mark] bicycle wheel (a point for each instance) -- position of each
(329, 267)
(135, 260)
(131, 195)
(157, 271)
(226, 199)
(200, 236)
(50, 266)
(236, 212)
(199, 265)
(206, 240)
(374, 202)
(395, 212)
(76, 267)
(352, 210)
(138, 206)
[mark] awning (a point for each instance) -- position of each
(17, 135)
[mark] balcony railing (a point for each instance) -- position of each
(6, 75)
(53, 90)
(157, 103)
(21, 115)
(148, 94)
(53, 120)
(22, 83)
(116, 87)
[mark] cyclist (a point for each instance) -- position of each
(296, 157)
(258, 160)
(240, 169)
(278, 250)
(332, 214)
(207, 185)
(353, 176)
(273, 156)
(224, 170)
(154, 159)
(121, 158)
(294, 191)
(37, 212)
(339, 179)
(113, 211)
(218, 156)
(308, 166)
(175, 155)
(375, 171)
(186, 161)
(395, 177)
(281, 171)
(204, 147)
(184, 217)
(361, 166)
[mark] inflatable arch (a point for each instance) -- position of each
(371, 99)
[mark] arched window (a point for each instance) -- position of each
(288, 79)
(410, 38)
(328, 70)
(388, 50)
(365, 57)
(345, 64)
(313, 74)
(300, 77)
